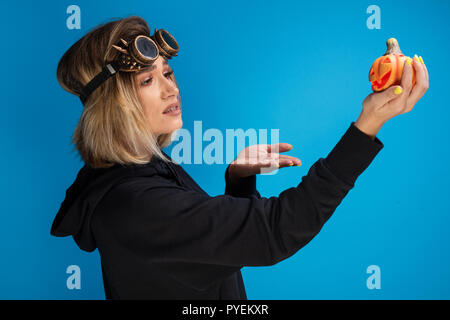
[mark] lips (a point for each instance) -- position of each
(170, 106)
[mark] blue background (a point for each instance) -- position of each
(300, 67)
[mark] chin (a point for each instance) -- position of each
(178, 124)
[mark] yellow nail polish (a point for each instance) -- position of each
(398, 90)
(408, 60)
(421, 60)
(291, 164)
(416, 58)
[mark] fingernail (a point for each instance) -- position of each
(298, 165)
(290, 164)
(421, 60)
(398, 90)
(416, 58)
(408, 60)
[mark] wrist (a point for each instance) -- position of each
(231, 173)
(368, 126)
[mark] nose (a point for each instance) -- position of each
(169, 88)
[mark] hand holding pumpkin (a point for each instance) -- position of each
(398, 98)
(387, 70)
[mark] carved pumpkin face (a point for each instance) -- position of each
(383, 71)
(387, 71)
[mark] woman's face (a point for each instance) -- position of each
(156, 92)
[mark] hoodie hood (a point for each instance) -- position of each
(88, 189)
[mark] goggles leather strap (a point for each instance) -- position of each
(108, 71)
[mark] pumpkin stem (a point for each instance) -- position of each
(392, 47)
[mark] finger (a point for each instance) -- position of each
(278, 147)
(382, 98)
(288, 159)
(420, 87)
(425, 68)
(274, 160)
(284, 161)
(407, 75)
(280, 159)
(267, 162)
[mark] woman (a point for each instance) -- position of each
(159, 235)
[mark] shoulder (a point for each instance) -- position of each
(132, 203)
(134, 194)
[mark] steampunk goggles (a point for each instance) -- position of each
(135, 55)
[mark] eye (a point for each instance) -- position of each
(148, 80)
(168, 74)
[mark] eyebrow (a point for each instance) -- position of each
(152, 67)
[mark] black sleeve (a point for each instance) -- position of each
(221, 234)
(244, 187)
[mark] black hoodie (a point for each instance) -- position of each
(160, 236)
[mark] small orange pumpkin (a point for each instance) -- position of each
(387, 70)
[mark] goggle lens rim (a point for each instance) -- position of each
(147, 48)
(169, 40)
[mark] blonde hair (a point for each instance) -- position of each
(112, 127)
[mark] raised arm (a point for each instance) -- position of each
(167, 224)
